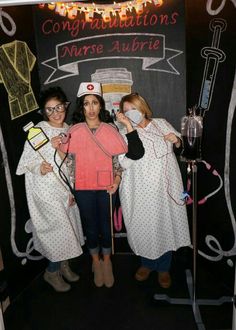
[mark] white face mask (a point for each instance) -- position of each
(135, 116)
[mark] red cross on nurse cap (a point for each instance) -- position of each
(89, 88)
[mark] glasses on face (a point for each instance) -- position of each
(61, 107)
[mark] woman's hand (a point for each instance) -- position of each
(172, 138)
(112, 188)
(45, 168)
(71, 200)
(121, 118)
(56, 141)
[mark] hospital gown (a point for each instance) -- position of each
(150, 194)
(56, 226)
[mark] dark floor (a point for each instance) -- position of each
(127, 306)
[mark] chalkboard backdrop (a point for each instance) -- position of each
(144, 54)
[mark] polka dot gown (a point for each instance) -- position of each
(57, 230)
(150, 193)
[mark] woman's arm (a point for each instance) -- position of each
(117, 170)
(174, 139)
(135, 145)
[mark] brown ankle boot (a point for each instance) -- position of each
(108, 273)
(142, 274)
(56, 281)
(164, 279)
(98, 273)
(67, 273)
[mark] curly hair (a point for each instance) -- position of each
(48, 94)
(79, 117)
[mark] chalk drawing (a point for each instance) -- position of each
(65, 65)
(213, 56)
(12, 28)
(16, 64)
(29, 248)
(219, 8)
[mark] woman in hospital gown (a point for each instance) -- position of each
(56, 226)
(150, 193)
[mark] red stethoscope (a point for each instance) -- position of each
(188, 199)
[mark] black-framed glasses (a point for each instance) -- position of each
(61, 107)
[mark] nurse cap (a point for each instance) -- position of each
(89, 88)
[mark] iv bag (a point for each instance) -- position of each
(191, 131)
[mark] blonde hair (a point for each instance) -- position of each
(139, 102)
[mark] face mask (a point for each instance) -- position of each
(135, 116)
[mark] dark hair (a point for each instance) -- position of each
(48, 94)
(79, 117)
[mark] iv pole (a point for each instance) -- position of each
(193, 164)
(192, 280)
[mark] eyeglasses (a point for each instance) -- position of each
(58, 108)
